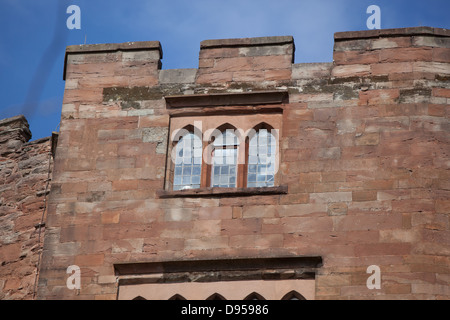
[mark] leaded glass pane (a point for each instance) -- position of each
(188, 163)
(224, 160)
(261, 160)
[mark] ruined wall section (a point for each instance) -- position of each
(24, 169)
(364, 156)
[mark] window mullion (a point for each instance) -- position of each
(242, 166)
(206, 165)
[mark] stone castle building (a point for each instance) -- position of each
(249, 177)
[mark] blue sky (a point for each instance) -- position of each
(33, 36)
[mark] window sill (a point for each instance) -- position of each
(222, 192)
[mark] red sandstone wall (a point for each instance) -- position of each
(364, 153)
(24, 170)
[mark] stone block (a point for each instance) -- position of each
(311, 70)
(377, 97)
(366, 222)
(178, 214)
(248, 76)
(277, 74)
(266, 50)
(306, 224)
(89, 260)
(297, 210)
(441, 54)
(382, 249)
(212, 78)
(66, 249)
(367, 139)
(337, 209)
(394, 42)
(399, 235)
(236, 212)
(177, 76)
(355, 57)
(405, 54)
(431, 41)
(233, 64)
(431, 67)
(241, 226)
(347, 126)
(223, 52)
(441, 92)
(334, 176)
(205, 63)
(391, 68)
(271, 62)
(217, 213)
(352, 45)
(330, 197)
(259, 212)
(388, 124)
(157, 135)
(148, 55)
(364, 195)
(207, 243)
(256, 241)
(121, 185)
(352, 70)
(332, 280)
(110, 217)
(329, 153)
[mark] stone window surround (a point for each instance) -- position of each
(272, 277)
(216, 109)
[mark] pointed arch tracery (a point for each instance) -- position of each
(293, 295)
(187, 158)
(224, 156)
(254, 296)
(262, 146)
(177, 297)
(216, 296)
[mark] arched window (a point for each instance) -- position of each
(224, 159)
(216, 296)
(254, 296)
(261, 158)
(188, 162)
(224, 156)
(177, 297)
(293, 295)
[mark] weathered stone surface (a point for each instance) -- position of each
(177, 76)
(367, 139)
(158, 135)
(24, 169)
(311, 70)
(363, 173)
